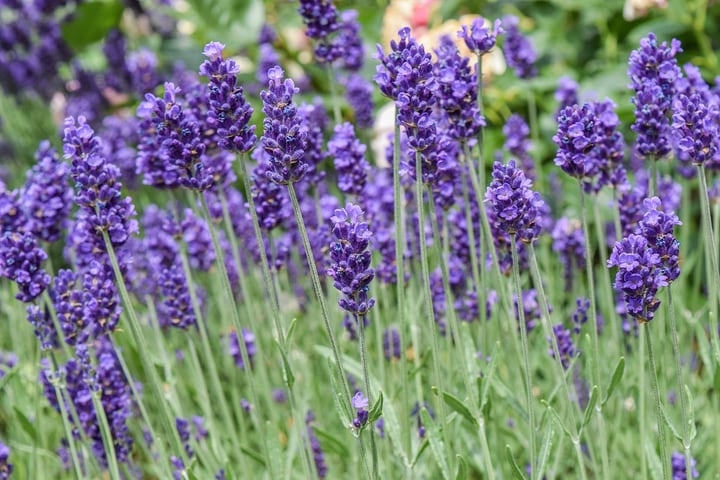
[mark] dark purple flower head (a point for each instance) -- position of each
(657, 227)
(580, 316)
(569, 244)
(271, 199)
(318, 454)
(654, 62)
(391, 344)
(267, 35)
(12, 217)
(609, 150)
(283, 139)
(350, 260)
(457, 91)
(6, 468)
(695, 124)
(566, 93)
(46, 197)
(358, 93)
(531, 308)
(513, 207)
(404, 55)
(98, 189)
(639, 276)
(21, 261)
(348, 154)
(176, 308)
(566, 349)
(142, 65)
(678, 467)
(229, 113)
(349, 42)
(519, 52)
(321, 18)
(576, 136)
(268, 57)
(478, 38)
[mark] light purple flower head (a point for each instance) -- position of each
(478, 38)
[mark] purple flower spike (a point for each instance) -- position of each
(284, 141)
(321, 18)
(249, 339)
(519, 52)
(657, 227)
(478, 38)
(21, 261)
(566, 349)
(678, 467)
(513, 207)
(360, 403)
(406, 50)
(391, 344)
(639, 276)
(358, 92)
(349, 157)
(228, 111)
(695, 122)
(350, 267)
(576, 137)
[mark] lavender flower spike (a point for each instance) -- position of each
(6, 467)
(350, 259)
(228, 111)
(21, 261)
(349, 158)
(283, 140)
(695, 122)
(478, 38)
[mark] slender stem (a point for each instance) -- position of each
(332, 82)
(711, 251)
(400, 278)
(580, 457)
(656, 397)
(485, 448)
(641, 407)
(66, 423)
(144, 352)
(681, 384)
(366, 374)
(591, 289)
(318, 291)
(616, 215)
(474, 264)
(610, 314)
(106, 435)
(526, 356)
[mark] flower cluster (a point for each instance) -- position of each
(519, 52)
(349, 158)
(391, 344)
(317, 451)
(229, 112)
(678, 467)
(513, 207)
(566, 348)
(657, 227)
(358, 92)
(21, 261)
(236, 353)
(695, 124)
(321, 18)
(576, 136)
(283, 140)
(350, 257)
(569, 244)
(478, 38)
(6, 468)
(360, 404)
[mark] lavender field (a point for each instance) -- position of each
(255, 239)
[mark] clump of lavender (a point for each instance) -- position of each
(404, 54)
(653, 71)
(695, 125)
(576, 137)
(46, 197)
(457, 92)
(579, 316)
(519, 52)
(98, 189)
(657, 226)
(6, 468)
(349, 158)
(677, 464)
(566, 348)
(236, 352)
(21, 262)
(569, 244)
(229, 113)
(513, 207)
(639, 276)
(350, 268)
(176, 309)
(609, 150)
(321, 19)
(478, 38)
(283, 140)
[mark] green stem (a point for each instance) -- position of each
(474, 264)
(485, 449)
(711, 251)
(106, 434)
(681, 384)
(371, 398)
(580, 457)
(641, 407)
(591, 289)
(144, 352)
(525, 354)
(66, 424)
(332, 82)
(610, 313)
(658, 408)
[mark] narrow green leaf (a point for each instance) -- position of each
(376, 409)
(418, 454)
(672, 428)
(253, 454)
(287, 373)
(341, 405)
(290, 333)
(590, 406)
(615, 379)
(91, 22)
(545, 451)
(331, 443)
(25, 423)
(436, 444)
(508, 397)
(517, 473)
(490, 373)
(557, 419)
(691, 414)
(653, 460)
(462, 471)
(457, 405)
